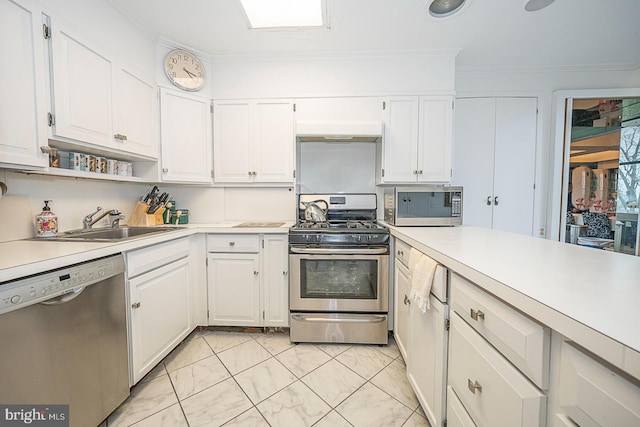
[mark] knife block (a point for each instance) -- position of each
(140, 218)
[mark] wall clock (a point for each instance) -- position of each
(185, 70)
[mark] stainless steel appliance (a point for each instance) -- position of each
(426, 205)
(64, 340)
(339, 272)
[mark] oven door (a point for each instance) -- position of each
(339, 279)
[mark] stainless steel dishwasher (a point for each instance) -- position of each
(64, 340)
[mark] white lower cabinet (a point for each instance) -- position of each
(159, 297)
(422, 339)
(491, 389)
(247, 277)
(457, 416)
(591, 393)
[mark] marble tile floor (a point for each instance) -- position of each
(215, 378)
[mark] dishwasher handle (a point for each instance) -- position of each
(64, 298)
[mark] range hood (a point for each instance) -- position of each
(338, 131)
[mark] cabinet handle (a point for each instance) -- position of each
(407, 301)
(135, 305)
(488, 200)
(415, 172)
(249, 173)
(495, 200)
(419, 172)
(232, 243)
(473, 386)
(255, 272)
(400, 253)
(165, 170)
(284, 273)
(477, 314)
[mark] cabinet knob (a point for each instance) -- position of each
(407, 301)
(415, 172)
(255, 272)
(477, 314)
(473, 386)
(135, 305)
(249, 173)
(284, 273)
(419, 172)
(232, 243)
(495, 200)
(165, 170)
(488, 200)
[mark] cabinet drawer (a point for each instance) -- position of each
(457, 416)
(492, 390)
(524, 342)
(592, 394)
(402, 252)
(142, 260)
(244, 243)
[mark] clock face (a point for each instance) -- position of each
(185, 70)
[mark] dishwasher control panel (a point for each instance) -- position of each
(41, 287)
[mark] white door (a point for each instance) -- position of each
(231, 141)
(186, 137)
(83, 81)
(135, 115)
(473, 158)
(234, 289)
(400, 139)
(272, 141)
(514, 169)
(434, 141)
(401, 309)
(275, 281)
(23, 120)
(160, 316)
(427, 364)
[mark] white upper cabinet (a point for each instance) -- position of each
(97, 100)
(417, 139)
(186, 137)
(23, 119)
(253, 141)
(494, 161)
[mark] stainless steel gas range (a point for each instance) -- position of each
(339, 271)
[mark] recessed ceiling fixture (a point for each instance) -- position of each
(285, 13)
(444, 8)
(533, 5)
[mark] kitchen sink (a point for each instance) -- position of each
(108, 234)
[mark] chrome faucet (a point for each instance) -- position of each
(114, 215)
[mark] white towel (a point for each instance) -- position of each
(422, 270)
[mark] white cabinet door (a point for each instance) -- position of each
(231, 142)
(417, 142)
(160, 315)
(23, 102)
(254, 141)
(427, 366)
(401, 306)
(494, 160)
(273, 141)
(434, 139)
(401, 128)
(83, 89)
(185, 136)
(275, 281)
(234, 289)
(135, 115)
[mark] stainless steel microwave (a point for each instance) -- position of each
(427, 205)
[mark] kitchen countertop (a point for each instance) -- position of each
(19, 258)
(586, 294)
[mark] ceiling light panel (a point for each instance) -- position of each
(285, 13)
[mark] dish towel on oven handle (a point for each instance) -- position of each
(422, 270)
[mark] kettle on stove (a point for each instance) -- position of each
(315, 213)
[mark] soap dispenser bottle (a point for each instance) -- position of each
(46, 222)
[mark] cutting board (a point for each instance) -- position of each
(16, 218)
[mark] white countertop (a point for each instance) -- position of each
(564, 286)
(21, 258)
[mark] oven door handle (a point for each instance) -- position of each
(310, 318)
(339, 251)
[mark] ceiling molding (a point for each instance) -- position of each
(548, 69)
